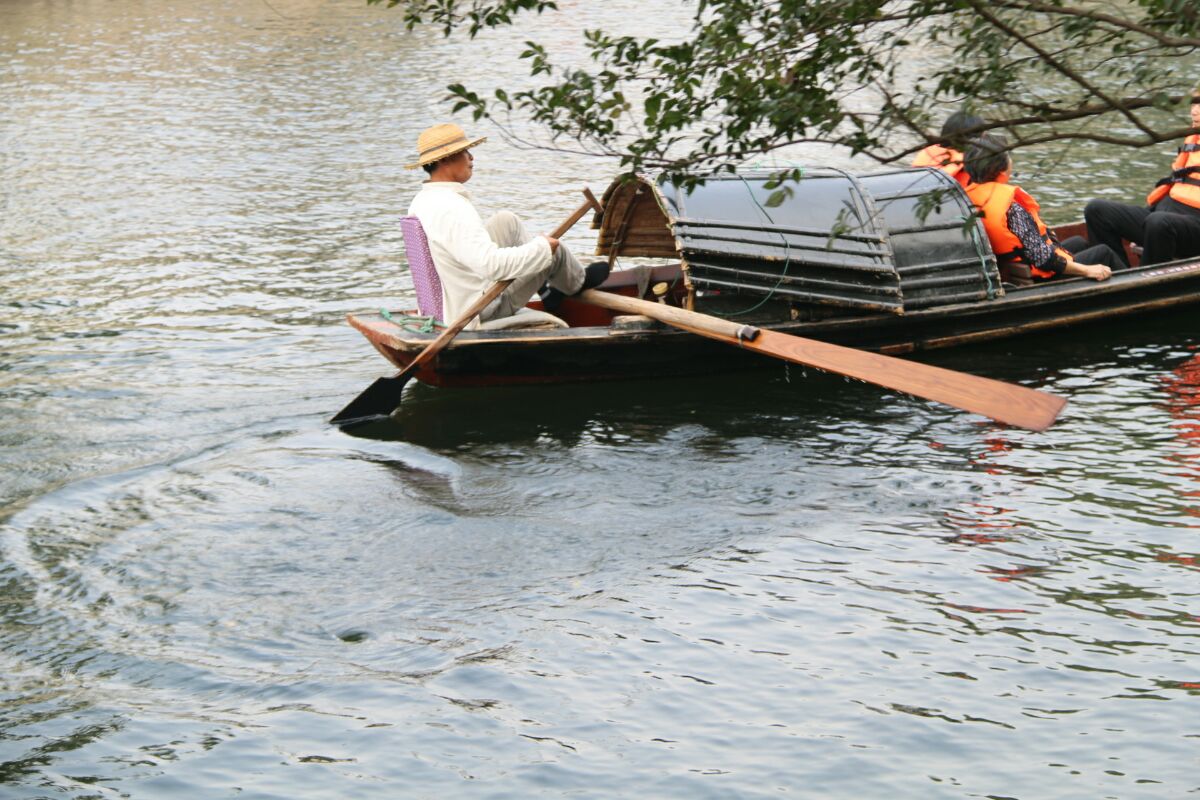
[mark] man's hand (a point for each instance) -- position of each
(553, 243)
(1097, 272)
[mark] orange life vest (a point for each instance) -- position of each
(946, 159)
(993, 200)
(1183, 184)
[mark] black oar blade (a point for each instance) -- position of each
(377, 401)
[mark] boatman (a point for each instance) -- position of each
(1168, 226)
(946, 153)
(1019, 238)
(470, 255)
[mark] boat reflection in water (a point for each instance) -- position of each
(1182, 386)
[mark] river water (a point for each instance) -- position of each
(765, 584)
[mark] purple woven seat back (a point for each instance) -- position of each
(420, 263)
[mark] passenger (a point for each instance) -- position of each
(947, 155)
(1168, 226)
(471, 256)
(1016, 231)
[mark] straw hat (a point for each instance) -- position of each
(440, 141)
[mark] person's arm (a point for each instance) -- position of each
(1037, 250)
(1097, 272)
(1041, 252)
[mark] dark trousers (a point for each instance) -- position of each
(1078, 247)
(1163, 236)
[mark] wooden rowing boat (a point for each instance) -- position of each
(893, 281)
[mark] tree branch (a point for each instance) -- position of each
(1057, 65)
(1108, 19)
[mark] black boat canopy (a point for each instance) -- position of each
(891, 241)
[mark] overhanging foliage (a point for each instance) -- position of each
(750, 77)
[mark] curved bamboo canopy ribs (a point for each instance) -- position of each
(891, 242)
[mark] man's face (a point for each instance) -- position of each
(1195, 107)
(462, 166)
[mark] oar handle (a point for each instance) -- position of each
(669, 314)
(591, 203)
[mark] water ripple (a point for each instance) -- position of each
(715, 587)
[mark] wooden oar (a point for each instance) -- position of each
(1004, 402)
(382, 397)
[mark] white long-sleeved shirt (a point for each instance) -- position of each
(467, 260)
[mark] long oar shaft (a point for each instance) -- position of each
(1004, 402)
(438, 344)
(383, 396)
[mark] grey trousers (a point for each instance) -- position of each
(565, 273)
